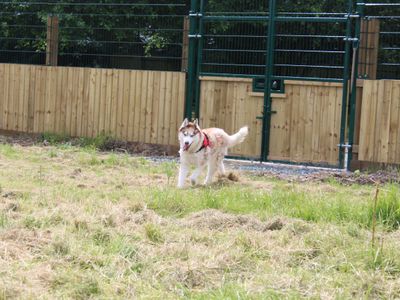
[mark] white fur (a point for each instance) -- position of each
(211, 156)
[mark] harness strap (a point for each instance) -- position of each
(206, 142)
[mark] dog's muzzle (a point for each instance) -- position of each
(186, 146)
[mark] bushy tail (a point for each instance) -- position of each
(238, 137)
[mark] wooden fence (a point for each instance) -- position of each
(380, 122)
(305, 127)
(142, 106)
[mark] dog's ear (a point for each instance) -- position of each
(184, 124)
(196, 124)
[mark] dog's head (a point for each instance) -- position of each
(189, 135)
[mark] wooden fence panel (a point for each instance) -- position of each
(380, 122)
(142, 106)
(305, 127)
(229, 104)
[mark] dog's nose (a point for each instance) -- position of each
(186, 143)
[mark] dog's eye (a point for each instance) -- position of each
(192, 135)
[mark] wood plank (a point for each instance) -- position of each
(295, 122)
(85, 103)
(167, 108)
(58, 100)
(64, 100)
(384, 126)
(110, 82)
(227, 79)
(181, 104)
(31, 99)
(138, 100)
(396, 128)
(309, 106)
(13, 98)
(19, 100)
(325, 125)
(91, 102)
(132, 106)
(51, 99)
(173, 136)
(149, 108)
(23, 80)
(37, 99)
(377, 137)
(273, 95)
(317, 121)
(7, 96)
(105, 92)
(312, 83)
(120, 105)
(143, 104)
(125, 105)
(116, 102)
(367, 127)
(26, 99)
(155, 102)
(69, 100)
(3, 95)
(394, 123)
(97, 101)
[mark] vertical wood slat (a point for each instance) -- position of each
(141, 106)
(3, 96)
(369, 46)
(305, 127)
(52, 41)
(380, 122)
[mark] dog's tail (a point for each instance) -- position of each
(238, 137)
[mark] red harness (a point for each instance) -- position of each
(206, 142)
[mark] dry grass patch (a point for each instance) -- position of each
(78, 224)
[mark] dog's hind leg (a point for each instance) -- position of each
(220, 164)
(221, 168)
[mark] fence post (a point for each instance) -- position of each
(192, 58)
(369, 45)
(52, 41)
(268, 74)
(185, 44)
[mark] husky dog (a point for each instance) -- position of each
(204, 147)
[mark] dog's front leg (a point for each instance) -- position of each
(197, 172)
(183, 171)
(210, 172)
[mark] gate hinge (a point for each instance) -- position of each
(348, 146)
(194, 36)
(268, 113)
(353, 16)
(348, 39)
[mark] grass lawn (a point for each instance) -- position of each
(76, 223)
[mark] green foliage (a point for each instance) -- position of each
(387, 208)
(54, 138)
(153, 233)
(3, 220)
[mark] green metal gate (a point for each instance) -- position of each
(261, 42)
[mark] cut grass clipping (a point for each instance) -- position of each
(77, 223)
